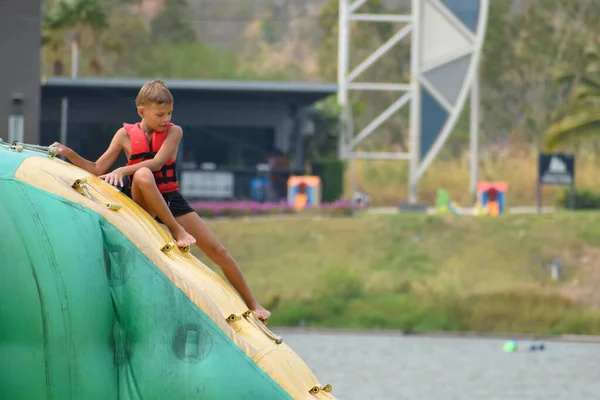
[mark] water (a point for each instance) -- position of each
(378, 366)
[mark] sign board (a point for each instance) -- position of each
(556, 169)
(207, 184)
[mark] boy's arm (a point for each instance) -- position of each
(167, 150)
(103, 163)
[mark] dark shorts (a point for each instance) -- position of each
(175, 200)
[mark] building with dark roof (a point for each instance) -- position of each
(221, 120)
(229, 124)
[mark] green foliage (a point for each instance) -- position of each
(526, 42)
(331, 172)
(579, 117)
(77, 22)
(340, 286)
(79, 14)
(234, 212)
(528, 312)
(269, 31)
(184, 61)
(584, 199)
(166, 47)
(173, 24)
(326, 118)
(326, 52)
(503, 312)
(422, 272)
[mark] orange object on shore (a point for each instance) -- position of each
(304, 191)
(491, 196)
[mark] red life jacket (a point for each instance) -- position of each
(166, 177)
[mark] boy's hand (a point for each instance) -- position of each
(261, 313)
(62, 150)
(114, 178)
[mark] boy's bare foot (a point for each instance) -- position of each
(261, 313)
(182, 238)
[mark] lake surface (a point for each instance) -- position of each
(392, 366)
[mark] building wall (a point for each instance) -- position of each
(96, 116)
(20, 68)
(204, 112)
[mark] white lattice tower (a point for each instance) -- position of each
(446, 41)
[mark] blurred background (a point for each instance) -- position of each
(486, 286)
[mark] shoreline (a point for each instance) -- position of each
(568, 338)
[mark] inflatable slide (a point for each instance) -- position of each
(97, 303)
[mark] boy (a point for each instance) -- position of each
(149, 178)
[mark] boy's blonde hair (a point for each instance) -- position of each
(155, 92)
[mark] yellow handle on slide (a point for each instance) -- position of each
(234, 321)
(113, 206)
(250, 316)
(171, 245)
(80, 186)
(168, 247)
(316, 389)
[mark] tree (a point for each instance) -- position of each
(525, 41)
(173, 23)
(579, 117)
(323, 143)
(74, 18)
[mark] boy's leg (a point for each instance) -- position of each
(210, 245)
(145, 193)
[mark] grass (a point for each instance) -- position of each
(418, 272)
(387, 181)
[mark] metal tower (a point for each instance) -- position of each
(446, 42)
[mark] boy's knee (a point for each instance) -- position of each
(143, 176)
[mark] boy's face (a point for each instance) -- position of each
(156, 116)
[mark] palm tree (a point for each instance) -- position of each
(74, 18)
(53, 43)
(579, 117)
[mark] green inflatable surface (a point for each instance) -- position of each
(85, 315)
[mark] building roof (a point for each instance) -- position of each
(293, 92)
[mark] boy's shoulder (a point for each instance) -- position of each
(175, 129)
(121, 136)
(121, 132)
